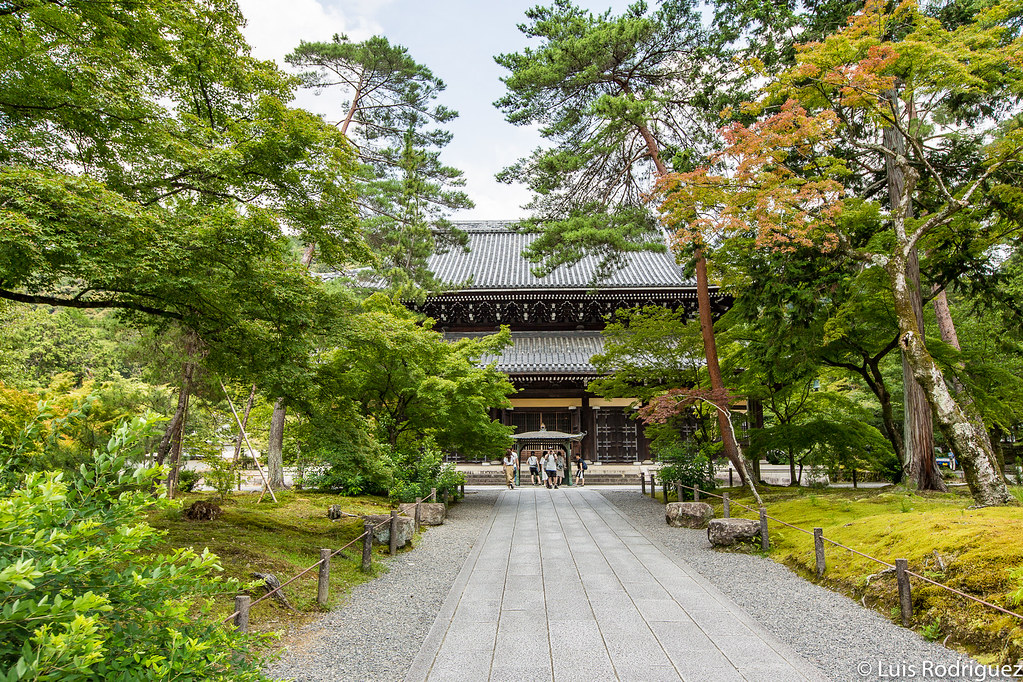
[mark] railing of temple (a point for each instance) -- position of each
(901, 566)
(243, 603)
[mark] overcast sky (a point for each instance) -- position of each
(457, 40)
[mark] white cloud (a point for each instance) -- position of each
(274, 31)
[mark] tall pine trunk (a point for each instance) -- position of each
(918, 466)
(959, 423)
(710, 351)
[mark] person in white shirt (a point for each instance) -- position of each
(550, 465)
(534, 468)
(509, 469)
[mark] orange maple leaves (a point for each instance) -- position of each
(774, 182)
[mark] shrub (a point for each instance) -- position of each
(84, 596)
(415, 473)
(686, 462)
(188, 479)
(222, 476)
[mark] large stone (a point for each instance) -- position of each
(727, 532)
(430, 513)
(382, 535)
(688, 514)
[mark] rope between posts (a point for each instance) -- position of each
(865, 556)
(963, 594)
(296, 577)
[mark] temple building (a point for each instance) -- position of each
(555, 323)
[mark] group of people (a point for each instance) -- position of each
(547, 470)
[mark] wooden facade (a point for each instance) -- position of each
(555, 323)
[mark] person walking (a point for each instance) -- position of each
(509, 469)
(550, 467)
(580, 469)
(559, 470)
(534, 467)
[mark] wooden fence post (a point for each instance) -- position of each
(696, 493)
(653, 486)
(642, 483)
(433, 494)
(392, 544)
(419, 502)
(463, 490)
(765, 540)
(678, 491)
(664, 489)
(905, 593)
(728, 505)
(818, 550)
(730, 484)
(241, 605)
(323, 584)
(367, 547)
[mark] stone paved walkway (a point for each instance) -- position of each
(561, 586)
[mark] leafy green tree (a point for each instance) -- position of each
(414, 384)
(150, 165)
(647, 351)
(620, 98)
(85, 595)
(853, 88)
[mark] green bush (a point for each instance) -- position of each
(416, 473)
(222, 475)
(686, 462)
(85, 596)
(188, 479)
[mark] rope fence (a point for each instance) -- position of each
(900, 566)
(243, 603)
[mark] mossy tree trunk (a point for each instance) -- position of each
(957, 419)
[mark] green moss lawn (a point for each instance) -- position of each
(282, 538)
(978, 548)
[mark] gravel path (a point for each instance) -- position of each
(379, 629)
(843, 639)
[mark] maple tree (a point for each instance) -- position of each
(782, 178)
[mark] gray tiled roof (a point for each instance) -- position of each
(562, 352)
(495, 261)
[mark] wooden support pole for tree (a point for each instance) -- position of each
(242, 602)
(905, 592)
(367, 547)
(252, 452)
(392, 543)
(818, 550)
(730, 482)
(765, 540)
(418, 514)
(323, 583)
(728, 505)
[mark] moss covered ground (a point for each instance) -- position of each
(940, 534)
(282, 538)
